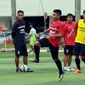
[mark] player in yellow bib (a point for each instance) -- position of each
(79, 48)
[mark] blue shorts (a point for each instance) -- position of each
(79, 49)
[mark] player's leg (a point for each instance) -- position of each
(69, 60)
(17, 53)
(54, 53)
(32, 41)
(76, 52)
(25, 57)
(17, 62)
(70, 68)
(65, 62)
(70, 53)
(65, 58)
(82, 53)
(35, 49)
(25, 60)
(42, 43)
(37, 53)
(32, 47)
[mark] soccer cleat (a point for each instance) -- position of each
(77, 71)
(61, 76)
(65, 68)
(70, 69)
(35, 61)
(29, 70)
(19, 70)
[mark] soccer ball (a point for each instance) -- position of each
(24, 68)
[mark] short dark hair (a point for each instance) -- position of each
(31, 23)
(58, 11)
(69, 14)
(84, 11)
(20, 11)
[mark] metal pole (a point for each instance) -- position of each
(5, 44)
(13, 10)
(43, 13)
(45, 18)
(77, 9)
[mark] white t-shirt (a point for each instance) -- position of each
(32, 31)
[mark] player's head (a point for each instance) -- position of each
(69, 17)
(56, 14)
(31, 25)
(84, 14)
(20, 15)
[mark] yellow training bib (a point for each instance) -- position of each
(80, 38)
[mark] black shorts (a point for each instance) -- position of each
(21, 50)
(54, 50)
(79, 49)
(68, 50)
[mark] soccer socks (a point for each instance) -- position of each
(37, 52)
(59, 65)
(77, 61)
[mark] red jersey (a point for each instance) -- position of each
(0, 27)
(68, 27)
(56, 27)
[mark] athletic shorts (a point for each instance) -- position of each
(54, 50)
(32, 41)
(68, 50)
(79, 49)
(21, 50)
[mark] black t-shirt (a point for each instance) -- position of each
(18, 32)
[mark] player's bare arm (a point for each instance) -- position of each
(74, 30)
(3, 29)
(44, 32)
(57, 35)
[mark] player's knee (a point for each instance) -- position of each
(82, 57)
(56, 60)
(25, 57)
(76, 57)
(37, 43)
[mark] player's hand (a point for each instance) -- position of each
(47, 37)
(69, 35)
(4, 29)
(63, 44)
(38, 35)
(41, 33)
(52, 35)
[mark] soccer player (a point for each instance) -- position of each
(79, 48)
(53, 39)
(69, 43)
(3, 29)
(32, 36)
(18, 35)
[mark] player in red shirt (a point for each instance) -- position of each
(69, 43)
(2, 29)
(53, 39)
